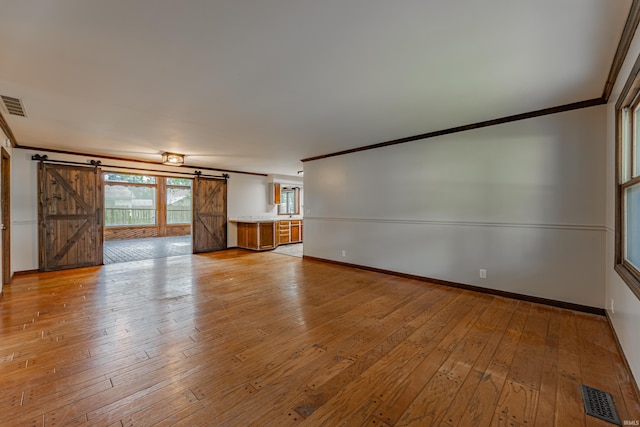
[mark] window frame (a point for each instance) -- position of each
(154, 186)
(627, 112)
(168, 186)
(161, 186)
(296, 201)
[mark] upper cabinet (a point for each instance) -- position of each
(276, 193)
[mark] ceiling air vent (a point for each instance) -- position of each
(14, 106)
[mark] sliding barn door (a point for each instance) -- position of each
(209, 215)
(70, 209)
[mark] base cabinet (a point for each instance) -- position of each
(296, 231)
(259, 236)
(263, 236)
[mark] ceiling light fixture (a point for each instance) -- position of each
(172, 159)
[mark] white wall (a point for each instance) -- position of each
(626, 315)
(24, 211)
(247, 195)
(523, 200)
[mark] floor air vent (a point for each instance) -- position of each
(599, 404)
(13, 105)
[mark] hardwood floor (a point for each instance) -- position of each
(238, 338)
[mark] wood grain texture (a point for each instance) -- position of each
(506, 294)
(5, 207)
(140, 232)
(209, 226)
(238, 337)
(69, 211)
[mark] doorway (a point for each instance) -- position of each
(5, 192)
(146, 217)
(83, 209)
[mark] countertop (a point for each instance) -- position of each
(265, 220)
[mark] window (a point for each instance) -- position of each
(129, 200)
(628, 183)
(289, 201)
(142, 200)
(178, 200)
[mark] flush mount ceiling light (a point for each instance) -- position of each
(172, 159)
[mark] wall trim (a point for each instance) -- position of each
(124, 159)
(516, 117)
(7, 131)
(628, 32)
(24, 222)
(25, 272)
(513, 295)
(579, 227)
(630, 26)
(636, 390)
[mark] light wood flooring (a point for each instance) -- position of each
(237, 338)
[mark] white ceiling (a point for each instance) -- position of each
(257, 85)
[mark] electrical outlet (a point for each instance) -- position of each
(612, 310)
(483, 273)
(344, 253)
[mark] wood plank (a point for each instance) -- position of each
(493, 323)
(70, 202)
(248, 338)
(209, 226)
(483, 403)
(569, 406)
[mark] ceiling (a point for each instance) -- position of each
(258, 85)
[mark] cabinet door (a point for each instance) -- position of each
(276, 194)
(295, 232)
(267, 235)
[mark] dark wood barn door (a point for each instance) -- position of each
(209, 215)
(70, 216)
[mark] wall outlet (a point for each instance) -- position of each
(308, 211)
(612, 310)
(483, 273)
(344, 253)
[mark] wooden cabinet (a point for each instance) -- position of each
(266, 231)
(289, 231)
(266, 235)
(259, 236)
(296, 232)
(284, 235)
(276, 194)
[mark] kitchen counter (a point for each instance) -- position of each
(267, 233)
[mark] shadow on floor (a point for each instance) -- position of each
(148, 248)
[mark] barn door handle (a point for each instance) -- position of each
(98, 216)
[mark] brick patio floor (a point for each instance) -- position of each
(152, 247)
